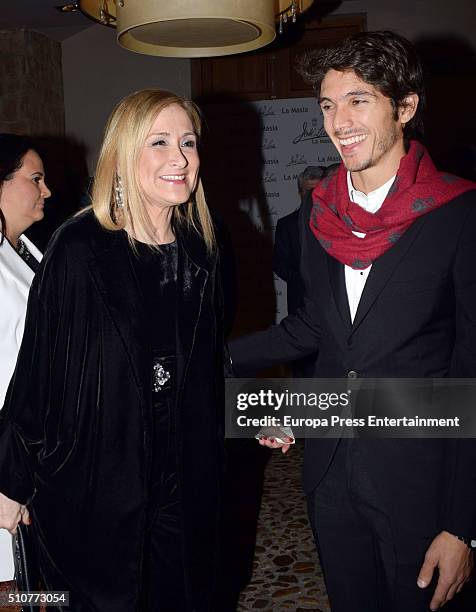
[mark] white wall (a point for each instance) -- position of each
(418, 18)
(97, 73)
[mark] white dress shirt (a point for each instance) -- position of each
(355, 279)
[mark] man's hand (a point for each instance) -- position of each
(273, 443)
(11, 513)
(454, 561)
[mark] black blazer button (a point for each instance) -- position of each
(351, 374)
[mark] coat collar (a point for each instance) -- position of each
(14, 265)
(382, 270)
(380, 274)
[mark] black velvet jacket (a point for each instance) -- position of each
(75, 433)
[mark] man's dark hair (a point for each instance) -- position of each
(13, 149)
(383, 59)
(310, 173)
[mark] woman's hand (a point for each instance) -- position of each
(11, 513)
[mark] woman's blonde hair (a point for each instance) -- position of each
(124, 137)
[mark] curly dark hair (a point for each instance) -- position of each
(13, 149)
(383, 59)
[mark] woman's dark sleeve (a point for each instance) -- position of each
(21, 416)
(28, 397)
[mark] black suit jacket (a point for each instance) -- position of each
(286, 257)
(286, 264)
(416, 318)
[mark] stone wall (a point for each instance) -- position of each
(31, 84)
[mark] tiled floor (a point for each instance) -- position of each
(7, 587)
(286, 574)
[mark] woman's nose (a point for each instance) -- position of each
(177, 158)
(45, 192)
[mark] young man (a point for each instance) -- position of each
(388, 263)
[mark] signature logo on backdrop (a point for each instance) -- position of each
(297, 160)
(270, 177)
(309, 133)
(266, 111)
(268, 143)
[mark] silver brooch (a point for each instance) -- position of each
(159, 377)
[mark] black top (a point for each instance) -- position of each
(156, 271)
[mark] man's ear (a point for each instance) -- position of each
(407, 108)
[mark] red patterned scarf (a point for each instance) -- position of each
(418, 189)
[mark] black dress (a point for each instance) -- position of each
(164, 582)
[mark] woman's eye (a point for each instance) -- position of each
(159, 143)
(189, 143)
(356, 102)
(37, 179)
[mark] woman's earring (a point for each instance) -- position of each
(119, 193)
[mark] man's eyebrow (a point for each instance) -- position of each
(349, 94)
(360, 92)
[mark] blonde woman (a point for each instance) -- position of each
(111, 431)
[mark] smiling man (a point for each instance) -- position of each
(388, 252)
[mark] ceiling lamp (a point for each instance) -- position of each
(288, 10)
(102, 11)
(193, 28)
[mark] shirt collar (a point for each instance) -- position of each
(371, 201)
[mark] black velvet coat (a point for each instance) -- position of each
(75, 435)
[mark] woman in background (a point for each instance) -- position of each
(22, 196)
(112, 421)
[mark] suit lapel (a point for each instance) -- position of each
(114, 276)
(382, 270)
(339, 292)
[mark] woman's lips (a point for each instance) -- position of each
(173, 178)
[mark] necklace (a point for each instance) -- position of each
(26, 255)
(23, 251)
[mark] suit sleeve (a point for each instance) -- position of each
(282, 256)
(297, 336)
(461, 500)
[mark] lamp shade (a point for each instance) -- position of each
(195, 28)
(102, 11)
